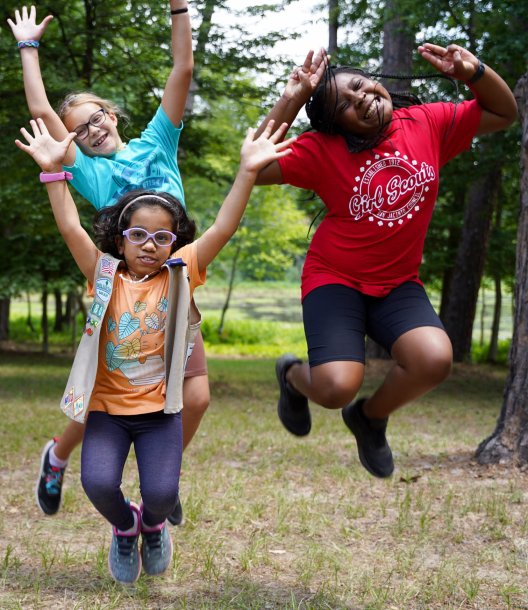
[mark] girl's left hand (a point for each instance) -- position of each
(256, 154)
(452, 61)
(303, 81)
(47, 152)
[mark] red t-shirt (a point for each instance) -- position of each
(379, 202)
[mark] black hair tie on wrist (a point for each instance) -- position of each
(479, 73)
(179, 11)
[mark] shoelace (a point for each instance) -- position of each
(125, 545)
(153, 540)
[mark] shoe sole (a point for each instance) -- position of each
(48, 446)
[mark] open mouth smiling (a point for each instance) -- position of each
(100, 140)
(372, 108)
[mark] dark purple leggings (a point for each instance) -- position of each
(157, 440)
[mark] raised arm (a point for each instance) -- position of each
(49, 155)
(255, 154)
(179, 81)
(491, 92)
(26, 29)
(300, 86)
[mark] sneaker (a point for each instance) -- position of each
(49, 484)
(124, 559)
(156, 548)
(292, 408)
(373, 449)
(176, 517)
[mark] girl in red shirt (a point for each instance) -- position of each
(376, 168)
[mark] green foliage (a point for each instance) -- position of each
(479, 353)
(253, 337)
(24, 335)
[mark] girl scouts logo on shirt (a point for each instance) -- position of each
(103, 289)
(390, 189)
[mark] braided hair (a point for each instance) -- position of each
(321, 108)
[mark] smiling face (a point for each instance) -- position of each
(101, 141)
(146, 259)
(363, 106)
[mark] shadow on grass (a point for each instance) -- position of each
(66, 587)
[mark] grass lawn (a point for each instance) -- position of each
(276, 522)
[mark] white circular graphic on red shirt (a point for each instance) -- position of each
(389, 189)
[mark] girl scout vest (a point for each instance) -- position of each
(180, 334)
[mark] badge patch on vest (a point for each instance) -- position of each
(73, 405)
(103, 289)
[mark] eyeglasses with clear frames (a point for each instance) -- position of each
(138, 236)
(97, 118)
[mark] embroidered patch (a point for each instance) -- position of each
(96, 310)
(107, 266)
(103, 289)
(78, 405)
(72, 404)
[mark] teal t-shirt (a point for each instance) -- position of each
(148, 162)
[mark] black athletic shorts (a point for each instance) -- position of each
(337, 319)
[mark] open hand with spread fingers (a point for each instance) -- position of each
(25, 26)
(256, 154)
(46, 151)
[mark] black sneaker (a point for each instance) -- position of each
(293, 406)
(176, 518)
(373, 449)
(49, 483)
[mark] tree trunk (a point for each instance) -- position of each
(59, 316)
(460, 308)
(5, 305)
(69, 310)
(44, 322)
(398, 47)
(494, 339)
(482, 314)
(333, 25)
(29, 319)
(497, 309)
(232, 276)
(509, 441)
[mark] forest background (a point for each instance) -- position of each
(276, 523)
(121, 51)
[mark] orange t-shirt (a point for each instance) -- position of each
(131, 369)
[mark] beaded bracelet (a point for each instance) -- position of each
(179, 11)
(22, 44)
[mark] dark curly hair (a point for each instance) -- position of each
(110, 222)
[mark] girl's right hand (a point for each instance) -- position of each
(25, 27)
(304, 79)
(47, 152)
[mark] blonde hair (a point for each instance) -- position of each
(77, 99)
